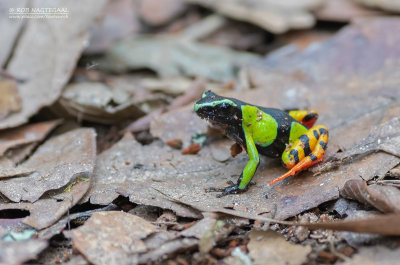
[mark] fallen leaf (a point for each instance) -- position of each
(388, 5)
(112, 237)
(26, 134)
(213, 234)
(61, 43)
(15, 253)
(8, 169)
(384, 198)
(180, 56)
(57, 162)
(205, 234)
(134, 179)
(98, 102)
(57, 228)
(164, 126)
(271, 16)
(54, 204)
(191, 94)
(10, 100)
(119, 20)
(202, 227)
(168, 249)
(343, 11)
(384, 137)
(271, 246)
(10, 28)
(158, 13)
(301, 39)
(374, 255)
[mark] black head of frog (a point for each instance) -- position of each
(218, 110)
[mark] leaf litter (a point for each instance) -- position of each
(347, 78)
(271, 246)
(56, 163)
(112, 237)
(62, 160)
(43, 80)
(24, 138)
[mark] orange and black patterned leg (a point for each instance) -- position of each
(306, 117)
(307, 150)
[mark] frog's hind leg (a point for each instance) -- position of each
(307, 150)
(306, 117)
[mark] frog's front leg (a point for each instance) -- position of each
(307, 150)
(248, 171)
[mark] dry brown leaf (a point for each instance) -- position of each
(60, 225)
(343, 11)
(384, 198)
(168, 249)
(15, 253)
(60, 42)
(119, 20)
(158, 13)
(272, 247)
(204, 234)
(200, 228)
(57, 162)
(10, 100)
(384, 137)
(388, 5)
(26, 134)
(97, 102)
(374, 255)
(163, 126)
(216, 232)
(276, 17)
(47, 211)
(112, 237)
(180, 55)
(50, 207)
(130, 169)
(8, 169)
(9, 28)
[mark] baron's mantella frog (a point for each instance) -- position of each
(290, 135)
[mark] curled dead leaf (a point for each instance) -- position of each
(383, 198)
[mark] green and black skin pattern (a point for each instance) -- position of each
(228, 118)
(271, 132)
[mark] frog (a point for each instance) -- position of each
(290, 135)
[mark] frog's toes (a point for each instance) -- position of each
(233, 188)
